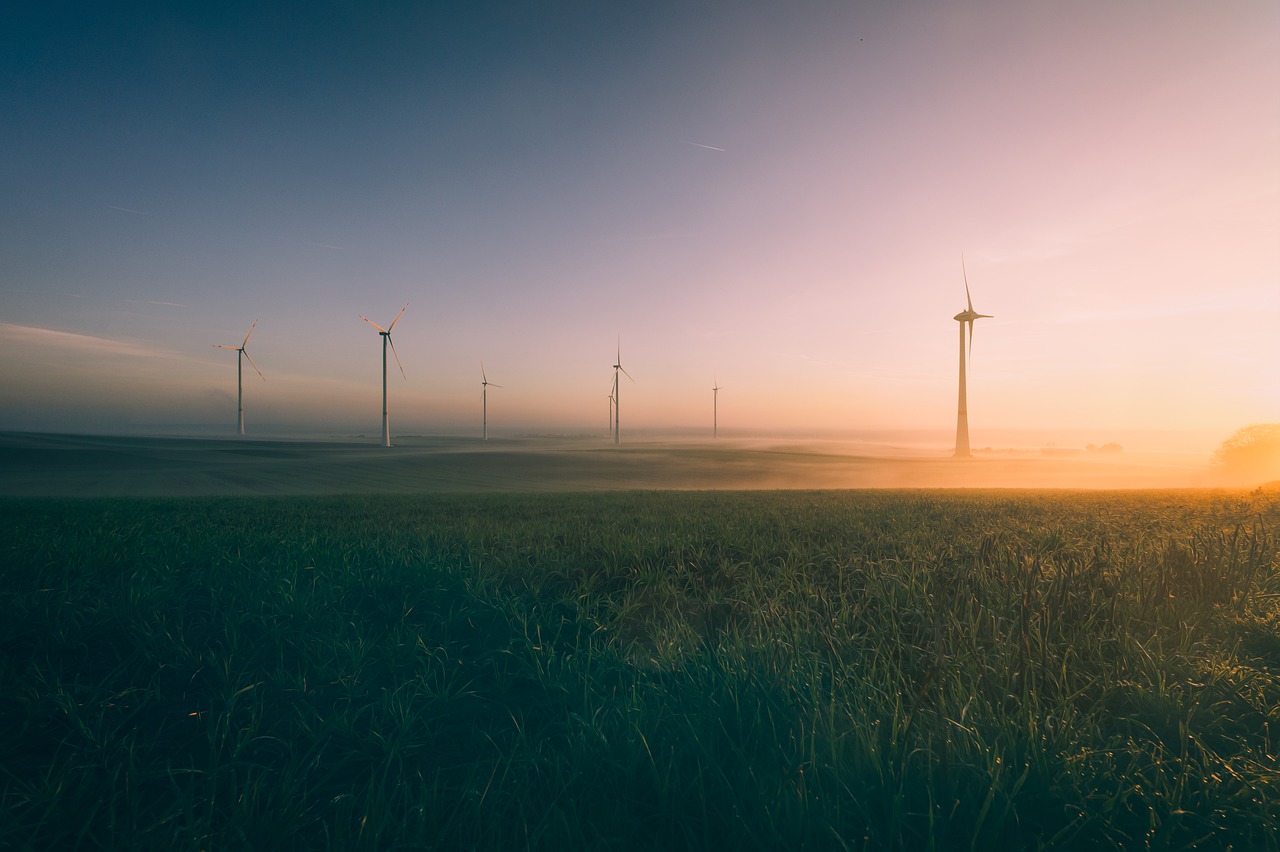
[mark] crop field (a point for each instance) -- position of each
(869, 670)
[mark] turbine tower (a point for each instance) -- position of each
(715, 408)
(968, 315)
(386, 341)
(240, 370)
(484, 384)
(617, 412)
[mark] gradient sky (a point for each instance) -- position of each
(772, 195)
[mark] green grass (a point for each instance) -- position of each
(806, 670)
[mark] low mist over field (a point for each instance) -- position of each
(63, 465)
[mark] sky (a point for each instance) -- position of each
(785, 199)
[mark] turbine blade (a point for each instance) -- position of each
(484, 380)
(255, 366)
(220, 346)
(397, 319)
(967, 298)
(492, 385)
(625, 373)
(397, 357)
(250, 334)
(971, 344)
(374, 324)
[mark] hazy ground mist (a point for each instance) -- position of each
(94, 466)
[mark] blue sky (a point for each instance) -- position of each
(774, 196)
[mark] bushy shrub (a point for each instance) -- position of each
(1252, 454)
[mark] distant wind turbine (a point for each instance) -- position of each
(484, 383)
(386, 341)
(715, 408)
(243, 353)
(968, 315)
(617, 412)
(610, 398)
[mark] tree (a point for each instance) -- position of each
(1252, 454)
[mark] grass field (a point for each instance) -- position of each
(818, 670)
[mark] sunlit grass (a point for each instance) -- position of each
(642, 670)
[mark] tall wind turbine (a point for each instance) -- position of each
(240, 370)
(715, 408)
(386, 341)
(968, 315)
(484, 383)
(617, 412)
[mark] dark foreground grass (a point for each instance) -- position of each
(650, 670)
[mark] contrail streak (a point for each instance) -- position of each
(708, 147)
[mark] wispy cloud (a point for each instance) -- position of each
(84, 343)
(162, 304)
(129, 210)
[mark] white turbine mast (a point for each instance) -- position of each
(968, 315)
(386, 341)
(242, 354)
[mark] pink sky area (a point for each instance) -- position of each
(775, 201)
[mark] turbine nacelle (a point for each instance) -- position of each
(241, 349)
(968, 314)
(386, 336)
(617, 364)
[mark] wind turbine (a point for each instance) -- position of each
(715, 408)
(610, 398)
(386, 341)
(617, 412)
(484, 383)
(240, 370)
(968, 315)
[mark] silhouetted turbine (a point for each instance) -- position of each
(239, 371)
(617, 412)
(484, 383)
(715, 408)
(968, 315)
